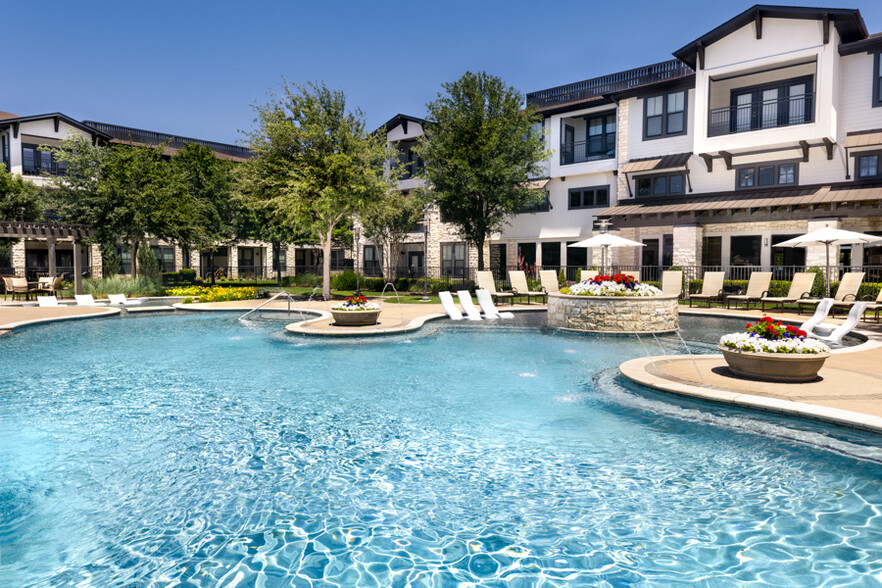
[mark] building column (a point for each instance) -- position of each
(233, 261)
(687, 245)
(18, 257)
(96, 261)
(78, 267)
(179, 257)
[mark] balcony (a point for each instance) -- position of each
(584, 151)
(761, 114)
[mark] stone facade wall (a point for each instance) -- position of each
(97, 261)
(613, 314)
(18, 254)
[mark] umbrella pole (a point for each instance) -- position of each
(828, 270)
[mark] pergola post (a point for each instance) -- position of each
(78, 268)
(51, 244)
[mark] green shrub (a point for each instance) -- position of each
(139, 286)
(345, 280)
(148, 266)
(111, 265)
(818, 286)
(562, 276)
(183, 277)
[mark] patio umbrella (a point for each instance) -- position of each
(829, 236)
(605, 241)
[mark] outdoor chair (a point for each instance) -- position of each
(874, 306)
(821, 313)
(757, 287)
(585, 275)
(520, 287)
(490, 310)
(449, 306)
(465, 300)
(486, 282)
(49, 285)
(846, 293)
(800, 287)
(711, 288)
(548, 279)
(17, 287)
(839, 333)
(87, 300)
(672, 283)
(121, 300)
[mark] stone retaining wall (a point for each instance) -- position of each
(613, 314)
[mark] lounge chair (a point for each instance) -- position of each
(520, 287)
(548, 279)
(672, 283)
(449, 306)
(48, 301)
(875, 306)
(821, 313)
(465, 300)
(800, 287)
(711, 288)
(757, 287)
(121, 300)
(846, 293)
(486, 282)
(490, 310)
(854, 316)
(87, 300)
(585, 275)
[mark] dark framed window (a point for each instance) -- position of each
(664, 115)
(453, 259)
(745, 250)
(543, 206)
(339, 261)
(280, 258)
(778, 104)
(785, 256)
(551, 254)
(877, 80)
(712, 251)
(867, 166)
(588, 197)
(35, 162)
(165, 257)
(764, 175)
(371, 260)
(601, 136)
(659, 185)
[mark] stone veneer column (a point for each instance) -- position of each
(624, 255)
(816, 255)
(622, 115)
(18, 256)
(687, 245)
(96, 260)
(179, 257)
(233, 260)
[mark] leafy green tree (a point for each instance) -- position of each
(388, 221)
(20, 200)
(480, 150)
(126, 193)
(316, 166)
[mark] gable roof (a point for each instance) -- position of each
(848, 22)
(402, 119)
(7, 122)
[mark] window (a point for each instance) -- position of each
(601, 143)
(551, 255)
(339, 261)
(766, 175)
(782, 103)
(877, 80)
(371, 261)
(712, 251)
(867, 166)
(453, 259)
(543, 206)
(786, 256)
(745, 250)
(165, 257)
(576, 256)
(36, 162)
(589, 197)
(665, 115)
(659, 185)
(280, 258)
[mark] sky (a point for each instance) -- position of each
(196, 69)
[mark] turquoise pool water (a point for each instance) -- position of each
(192, 450)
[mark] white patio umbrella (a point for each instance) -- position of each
(605, 241)
(829, 236)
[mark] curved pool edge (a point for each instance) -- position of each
(638, 371)
(7, 328)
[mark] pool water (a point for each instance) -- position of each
(194, 450)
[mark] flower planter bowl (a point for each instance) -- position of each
(355, 318)
(774, 367)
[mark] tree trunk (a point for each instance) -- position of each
(326, 263)
(211, 265)
(134, 247)
(276, 248)
(480, 255)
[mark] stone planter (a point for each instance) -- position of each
(625, 315)
(774, 367)
(355, 318)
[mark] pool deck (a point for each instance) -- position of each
(848, 390)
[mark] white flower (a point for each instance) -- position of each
(753, 342)
(365, 306)
(610, 288)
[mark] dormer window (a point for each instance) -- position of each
(664, 115)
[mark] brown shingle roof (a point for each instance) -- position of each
(5, 115)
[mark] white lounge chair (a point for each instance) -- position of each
(121, 300)
(585, 275)
(854, 316)
(87, 300)
(672, 283)
(800, 287)
(548, 279)
(711, 288)
(490, 310)
(465, 300)
(449, 306)
(846, 293)
(821, 313)
(757, 287)
(487, 282)
(47, 302)
(520, 287)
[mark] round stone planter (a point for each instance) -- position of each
(624, 315)
(774, 367)
(355, 318)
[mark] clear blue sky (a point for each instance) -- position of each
(195, 68)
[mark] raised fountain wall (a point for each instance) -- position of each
(613, 314)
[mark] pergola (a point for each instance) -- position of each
(51, 233)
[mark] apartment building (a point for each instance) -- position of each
(764, 128)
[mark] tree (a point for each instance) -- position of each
(480, 150)
(126, 193)
(316, 166)
(389, 220)
(19, 199)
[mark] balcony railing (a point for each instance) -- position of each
(767, 114)
(591, 150)
(617, 82)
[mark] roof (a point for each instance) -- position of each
(863, 139)
(848, 22)
(6, 122)
(599, 90)
(402, 119)
(4, 115)
(171, 143)
(18, 229)
(659, 162)
(846, 192)
(871, 43)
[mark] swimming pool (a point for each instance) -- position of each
(194, 450)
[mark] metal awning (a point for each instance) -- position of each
(657, 163)
(863, 139)
(537, 184)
